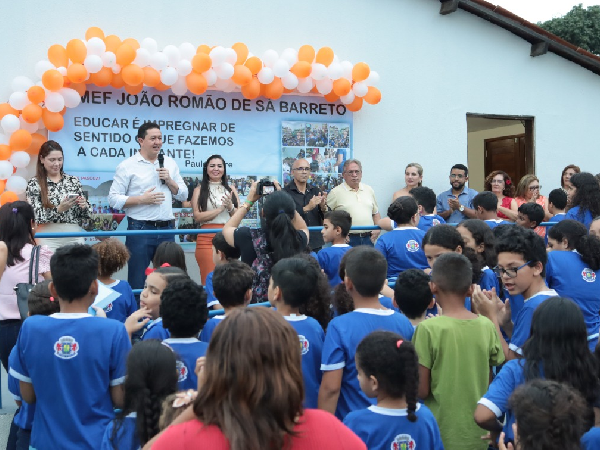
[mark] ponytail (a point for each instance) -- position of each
(407, 356)
(578, 239)
(589, 248)
(278, 212)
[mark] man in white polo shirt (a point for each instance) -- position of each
(358, 200)
(146, 192)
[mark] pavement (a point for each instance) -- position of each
(7, 408)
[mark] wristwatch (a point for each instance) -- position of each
(462, 208)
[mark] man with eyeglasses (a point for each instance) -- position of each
(311, 203)
(358, 200)
(456, 204)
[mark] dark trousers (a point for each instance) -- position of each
(356, 240)
(9, 332)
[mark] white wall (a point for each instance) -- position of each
(434, 70)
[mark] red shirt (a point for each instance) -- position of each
(318, 430)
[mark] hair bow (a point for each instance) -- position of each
(184, 398)
(149, 270)
(399, 343)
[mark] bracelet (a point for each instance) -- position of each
(232, 208)
(249, 203)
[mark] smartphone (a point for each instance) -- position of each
(72, 196)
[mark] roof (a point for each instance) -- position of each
(541, 40)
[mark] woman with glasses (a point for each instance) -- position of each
(528, 190)
(502, 186)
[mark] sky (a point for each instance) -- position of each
(541, 10)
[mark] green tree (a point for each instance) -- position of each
(580, 26)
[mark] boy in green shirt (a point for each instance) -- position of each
(455, 352)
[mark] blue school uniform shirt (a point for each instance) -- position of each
(585, 217)
(344, 333)
(522, 325)
(493, 223)
(556, 218)
(187, 350)
(402, 250)
(489, 280)
(568, 275)
(388, 303)
(72, 361)
(211, 300)
(155, 330)
(126, 437)
(24, 417)
(329, 259)
(386, 428)
(125, 305)
(311, 337)
(428, 221)
(591, 439)
(209, 328)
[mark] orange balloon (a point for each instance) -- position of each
(252, 89)
(5, 109)
(301, 69)
(241, 75)
(132, 43)
(2, 186)
(162, 87)
(151, 76)
(5, 152)
(254, 64)
(203, 49)
(8, 197)
(102, 78)
(132, 74)
(331, 97)
(36, 94)
(241, 51)
(274, 90)
(52, 80)
(325, 56)
(117, 81)
(112, 43)
(125, 54)
(36, 142)
(306, 53)
(355, 105)
(94, 32)
(79, 87)
(57, 55)
(52, 121)
(341, 87)
(373, 96)
(360, 71)
(32, 113)
(63, 111)
(201, 62)
(76, 50)
(77, 73)
(20, 140)
(196, 83)
(133, 90)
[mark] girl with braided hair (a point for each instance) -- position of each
(388, 369)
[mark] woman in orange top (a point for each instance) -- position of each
(528, 190)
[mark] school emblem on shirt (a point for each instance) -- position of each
(403, 442)
(304, 344)
(588, 275)
(435, 222)
(66, 347)
(182, 371)
(108, 308)
(412, 246)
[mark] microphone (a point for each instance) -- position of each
(161, 163)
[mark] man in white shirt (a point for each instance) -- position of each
(146, 192)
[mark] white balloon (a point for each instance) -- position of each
(348, 98)
(93, 63)
(150, 45)
(6, 170)
(169, 76)
(10, 123)
(19, 159)
(211, 77)
(230, 87)
(266, 75)
(62, 71)
(42, 66)
(218, 55)
(305, 85)
(173, 55)
(225, 85)
(18, 100)
(31, 127)
(54, 102)
(109, 59)
(159, 61)
(372, 79)
(324, 86)
(347, 66)
(319, 71)
(184, 67)
(3, 139)
(336, 59)
(224, 71)
(16, 183)
(290, 56)
(360, 89)
(179, 87)
(270, 57)
(21, 83)
(230, 56)
(71, 97)
(281, 68)
(116, 68)
(187, 50)
(142, 57)
(290, 81)
(335, 71)
(95, 46)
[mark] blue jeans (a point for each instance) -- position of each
(142, 250)
(356, 240)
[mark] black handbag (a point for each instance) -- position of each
(23, 289)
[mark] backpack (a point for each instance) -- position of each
(261, 266)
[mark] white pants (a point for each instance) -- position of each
(54, 243)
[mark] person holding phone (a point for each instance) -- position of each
(57, 198)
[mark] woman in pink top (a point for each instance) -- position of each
(17, 230)
(528, 190)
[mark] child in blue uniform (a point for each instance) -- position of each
(388, 370)
(426, 202)
(151, 377)
(412, 295)
(485, 205)
(70, 364)
(480, 238)
(336, 226)
(293, 282)
(113, 256)
(557, 203)
(232, 285)
(584, 198)
(401, 247)
(169, 254)
(223, 253)
(530, 216)
(572, 272)
(184, 313)
(365, 276)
